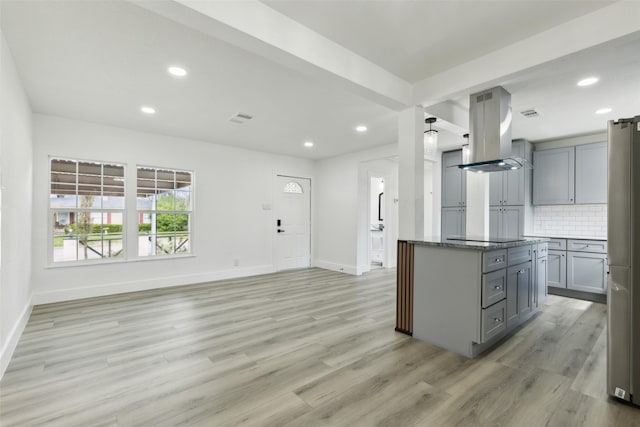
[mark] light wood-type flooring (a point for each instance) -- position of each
(301, 348)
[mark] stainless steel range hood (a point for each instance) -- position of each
(490, 134)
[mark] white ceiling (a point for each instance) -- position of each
(568, 110)
(101, 60)
(416, 39)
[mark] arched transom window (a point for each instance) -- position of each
(293, 187)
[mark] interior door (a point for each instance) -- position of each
(293, 222)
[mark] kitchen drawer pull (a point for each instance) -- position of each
(497, 319)
(498, 260)
(497, 288)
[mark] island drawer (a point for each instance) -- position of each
(596, 246)
(494, 287)
(494, 260)
(519, 254)
(493, 320)
(557, 244)
(543, 250)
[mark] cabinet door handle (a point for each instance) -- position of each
(497, 319)
(521, 272)
(498, 260)
(497, 288)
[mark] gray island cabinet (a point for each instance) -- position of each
(466, 296)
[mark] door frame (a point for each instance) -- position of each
(385, 260)
(274, 233)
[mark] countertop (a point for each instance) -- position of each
(561, 236)
(438, 241)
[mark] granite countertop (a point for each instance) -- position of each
(564, 236)
(476, 245)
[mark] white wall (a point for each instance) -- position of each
(339, 215)
(376, 187)
(16, 184)
(231, 186)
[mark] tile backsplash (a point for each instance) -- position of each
(571, 220)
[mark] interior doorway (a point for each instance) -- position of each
(377, 215)
(293, 222)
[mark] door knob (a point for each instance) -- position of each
(280, 231)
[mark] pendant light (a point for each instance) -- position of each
(466, 150)
(430, 139)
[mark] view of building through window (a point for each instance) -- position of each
(87, 205)
(164, 211)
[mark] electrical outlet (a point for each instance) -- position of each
(620, 393)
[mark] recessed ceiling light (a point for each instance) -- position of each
(501, 164)
(308, 144)
(603, 111)
(588, 81)
(177, 71)
(361, 128)
(148, 110)
(514, 168)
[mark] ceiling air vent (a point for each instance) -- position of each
(240, 118)
(529, 114)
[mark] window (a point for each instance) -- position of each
(86, 203)
(164, 211)
(293, 187)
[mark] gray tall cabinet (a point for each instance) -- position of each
(509, 196)
(454, 195)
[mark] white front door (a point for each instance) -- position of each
(293, 222)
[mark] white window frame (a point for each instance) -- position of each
(51, 211)
(190, 212)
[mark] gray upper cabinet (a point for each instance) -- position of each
(454, 183)
(508, 188)
(553, 176)
(591, 173)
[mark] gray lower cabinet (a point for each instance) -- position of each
(587, 272)
(453, 222)
(493, 320)
(541, 277)
(506, 222)
(557, 268)
(554, 176)
(519, 292)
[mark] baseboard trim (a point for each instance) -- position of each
(47, 297)
(363, 269)
(14, 336)
(341, 268)
(571, 293)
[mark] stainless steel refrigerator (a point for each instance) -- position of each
(623, 292)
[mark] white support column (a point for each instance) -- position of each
(411, 174)
(478, 205)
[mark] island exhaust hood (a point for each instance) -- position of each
(490, 134)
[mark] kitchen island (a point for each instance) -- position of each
(465, 295)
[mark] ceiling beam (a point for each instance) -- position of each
(255, 27)
(603, 25)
